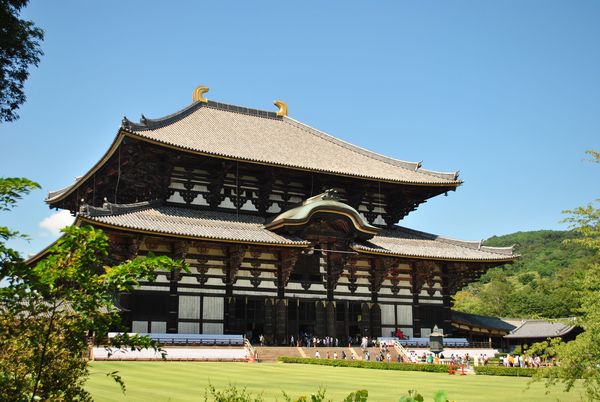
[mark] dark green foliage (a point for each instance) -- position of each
(233, 394)
(542, 251)
(319, 396)
(12, 189)
(506, 371)
(579, 359)
(541, 283)
(19, 49)
(230, 394)
(430, 368)
(359, 396)
(50, 312)
(414, 396)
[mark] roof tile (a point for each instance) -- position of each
(246, 134)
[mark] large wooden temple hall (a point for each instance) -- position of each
(286, 229)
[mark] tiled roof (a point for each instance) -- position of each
(194, 223)
(203, 224)
(262, 137)
(481, 321)
(540, 329)
(401, 241)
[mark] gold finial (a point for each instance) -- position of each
(283, 110)
(198, 95)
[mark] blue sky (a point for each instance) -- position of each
(506, 92)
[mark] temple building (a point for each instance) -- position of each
(286, 229)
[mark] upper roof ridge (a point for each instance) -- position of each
(151, 124)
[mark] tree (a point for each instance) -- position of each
(580, 358)
(12, 189)
(50, 312)
(19, 49)
(539, 284)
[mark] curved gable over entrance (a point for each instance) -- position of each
(323, 213)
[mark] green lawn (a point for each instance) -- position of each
(186, 381)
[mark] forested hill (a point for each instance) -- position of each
(539, 284)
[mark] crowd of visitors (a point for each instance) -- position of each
(533, 361)
(306, 339)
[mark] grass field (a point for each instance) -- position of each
(186, 381)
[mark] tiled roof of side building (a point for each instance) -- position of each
(482, 321)
(401, 241)
(542, 329)
(259, 136)
(220, 226)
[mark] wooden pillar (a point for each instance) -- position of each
(229, 325)
(173, 314)
(365, 322)
(281, 321)
(446, 300)
(346, 321)
(416, 286)
(125, 302)
(321, 319)
(269, 316)
(330, 318)
(375, 320)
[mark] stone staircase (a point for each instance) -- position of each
(271, 353)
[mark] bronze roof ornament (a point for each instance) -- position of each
(283, 108)
(330, 194)
(198, 95)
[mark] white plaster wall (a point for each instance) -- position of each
(158, 327)
(189, 307)
(139, 326)
(405, 316)
(188, 328)
(213, 309)
(387, 314)
(212, 329)
(388, 331)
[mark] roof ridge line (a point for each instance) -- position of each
(111, 208)
(478, 246)
(411, 166)
(151, 124)
(463, 243)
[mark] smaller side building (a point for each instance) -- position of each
(532, 331)
(506, 333)
(481, 330)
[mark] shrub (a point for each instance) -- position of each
(506, 371)
(230, 394)
(430, 368)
